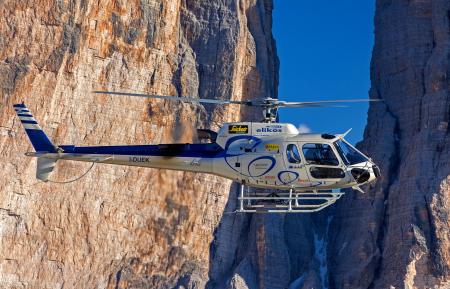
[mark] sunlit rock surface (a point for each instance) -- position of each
(120, 227)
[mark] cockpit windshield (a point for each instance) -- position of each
(349, 154)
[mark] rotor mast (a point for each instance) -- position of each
(270, 115)
(270, 110)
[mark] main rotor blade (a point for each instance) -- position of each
(176, 98)
(310, 105)
(323, 102)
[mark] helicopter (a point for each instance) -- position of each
(306, 172)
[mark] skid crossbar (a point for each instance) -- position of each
(286, 202)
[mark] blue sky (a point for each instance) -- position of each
(325, 48)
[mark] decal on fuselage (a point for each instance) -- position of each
(272, 147)
(269, 177)
(260, 166)
(139, 159)
(287, 177)
(237, 129)
(270, 128)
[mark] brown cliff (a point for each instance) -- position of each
(120, 227)
(141, 228)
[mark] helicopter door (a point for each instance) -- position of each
(259, 163)
(322, 163)
(295, 172)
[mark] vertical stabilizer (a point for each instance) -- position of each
(37, 136)
(44, 168)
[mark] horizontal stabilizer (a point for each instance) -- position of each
(95, 158)
(86, 157)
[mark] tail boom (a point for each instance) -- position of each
(192, 164)
(182, 157)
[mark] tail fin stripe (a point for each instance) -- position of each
(37, 136)
(29, 127)
(29, 121)
(26, 118)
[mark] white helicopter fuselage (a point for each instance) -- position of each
(311, 167)
(264, 155)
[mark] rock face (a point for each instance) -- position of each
(123, 227)
(120, 227)
(398, 234)
(403, 223)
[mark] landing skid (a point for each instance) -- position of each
(285, 202)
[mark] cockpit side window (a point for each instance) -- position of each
(349, 155)
(292, 154)
(320, 154)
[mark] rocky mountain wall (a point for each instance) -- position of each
(123, 227)
(397, 235)
(120, 227)
(403, 222)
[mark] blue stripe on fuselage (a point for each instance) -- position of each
(170, 150)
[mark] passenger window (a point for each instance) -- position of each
(320, 154)
(326, 173)
(292, 154)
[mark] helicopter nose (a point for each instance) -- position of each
(376, 171)
(368, 174)
(375, 174)
(361, 175)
